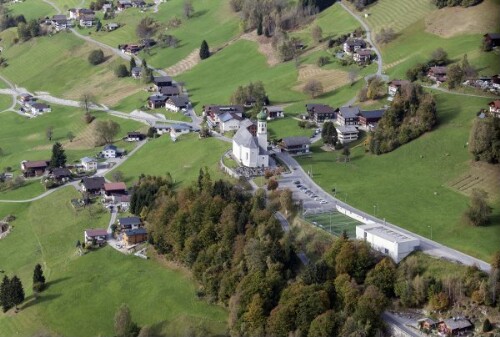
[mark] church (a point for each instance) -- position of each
(250, 143)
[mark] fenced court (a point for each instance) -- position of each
(333, 222)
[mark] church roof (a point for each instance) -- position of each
(243, 137)
(262, 115)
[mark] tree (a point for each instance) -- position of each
(188, 9)
(469, 72)
(272, 184)
(454, 75)
(86, 101)
(439, 57)
(38, 278)
(121, 71)
(146, 28)
(132, 64)
(322, 60)
(58, 158)
(313, 88)
(259, 28)
(385, 35)
(353, 74)
(16, 291)
(70, 136)
(96, 57)
(479, 211)
(383, 276)
(204, 50)
(146, 331)
(329, 134)
(487, 326)
(124, 326)
(105, 131)
(346, 152)
(317, 34)
(286, 200)
(255, 318)
(5, 294)
(484, 140)
(376, 88)
(117, 175)
(325, 325)
(49, 132)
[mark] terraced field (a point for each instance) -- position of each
(397, 14)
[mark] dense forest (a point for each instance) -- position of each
(244, 261)
(453, 3)
(412, 113)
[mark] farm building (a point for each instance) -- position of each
(295, 145)
(320, 112)
(387, 240)
(97, 235)
(134, 236)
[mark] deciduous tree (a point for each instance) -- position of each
(313, 88)
(106, 131)
(479, 211)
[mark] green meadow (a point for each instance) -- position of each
(408, 185)
(94, 285)
(31, 9)
(183, 158)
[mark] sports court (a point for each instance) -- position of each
(333, 222)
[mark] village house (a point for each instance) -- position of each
(39, 108)
(131, 222)
(347, 133)
(250, 143)
(454, 326)
(178, 129)
(229, 121)
(295, 145)
(34, 168)
(348, 115)
(89, 164)
(362, 56)
(320, 113)
(138, 3)
(370, 118)
(274, 112)
(157, 101)
(61, 174)
(111, 151)
(60, 22)
(73, 14)
(493, 39)
(121, 5)
(111, 26)
(177, 103)
(395, 86)
(87, 20)
(170, 91)
(351, 45)
(121, 201)
(495, 108)
(111, 189)
(214, 113)
(26, 99)
(96, 236)
(161, 128)
(136, 72)
(388, 241)
(135, 236)
(107, 7)
(437, 74)
(93, 185)
(162, 81)
(134, 137)
(427, 324)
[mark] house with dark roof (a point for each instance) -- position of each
(454, 326)
(96, 236)
(60, 22)
(122, 5)
(39, 108)
(131, 222)
(274, 112)
(370, 117)
(213, 113)
(495, 108)
(34, 168)
(176, 103)
(89, 164)
(162, 81)
(320, 113)
(229, 121)
(170, 91)
(157, 101)
(135, 236)
(93, 185)
(295, 145)
(87, 20)
(437, 74)
(347, 133)
(138, 3)
(348, 115)
(61, 174)
(493, 39)
(395, 86)
(111, 151)
(362, 56)
(134, 136)
(351, 45)
(136, 72)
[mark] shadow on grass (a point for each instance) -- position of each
(41, 299)
(197, 14)
(56, 281)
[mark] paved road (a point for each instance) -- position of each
(43, 195)
(401, 323)
(14, 96)
(426, 245)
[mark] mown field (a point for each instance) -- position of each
(409, 185)
(31, 9)
(94, 285)
(183, 159)
(5, 102)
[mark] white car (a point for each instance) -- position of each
(323, 202)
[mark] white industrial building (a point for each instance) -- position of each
(388, 241)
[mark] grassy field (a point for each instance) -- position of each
(212, 21)
(32, 64)
(183, 159)
(31, 9)
(156, 295)
(5, 102)
(410, 185)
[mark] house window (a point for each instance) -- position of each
(386, 251)
(247, 155)
(366, 235)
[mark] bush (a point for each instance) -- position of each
(487, 326)
(322, 60)
(121, 71)
(96, 57)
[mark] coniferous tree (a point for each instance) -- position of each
(5, 296)
(132, 64)
(16, 291)
(204, 50)
(38, 278)
(58, 156)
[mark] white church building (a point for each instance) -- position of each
(250, 143)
